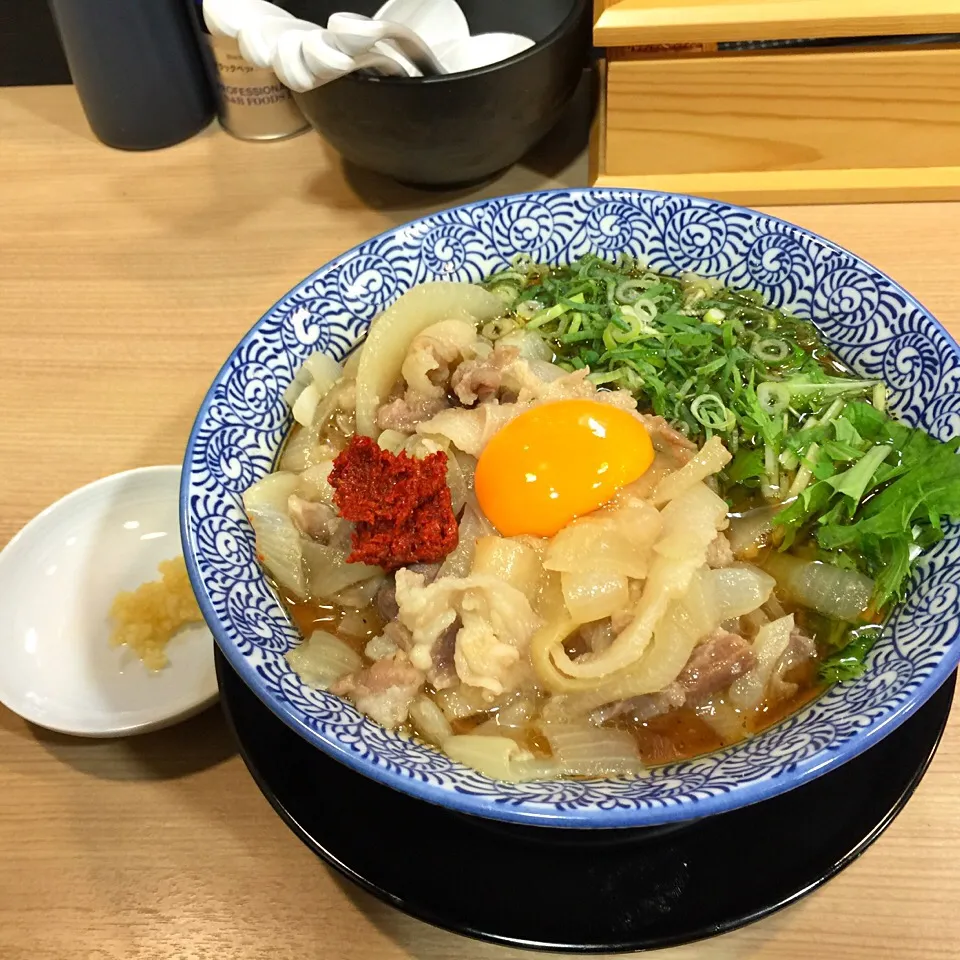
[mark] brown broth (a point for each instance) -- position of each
(682, 734)
(677, 735)
(809, 687)
(311, 615)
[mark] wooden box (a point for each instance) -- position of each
(780, 101)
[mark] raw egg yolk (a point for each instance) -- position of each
(557, 462)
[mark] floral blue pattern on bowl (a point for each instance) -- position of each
(871, 322)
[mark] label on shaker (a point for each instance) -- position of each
(254, 104)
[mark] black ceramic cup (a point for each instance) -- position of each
(459, 128)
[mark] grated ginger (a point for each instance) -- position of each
(148, 617)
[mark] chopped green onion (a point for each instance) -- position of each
(880, 396)
(629, 291)
(829, 388)
(805, 473)
(709, 410)
(608, 377)
(771, 350)
(860, 486)
(553, 313)
(773, 397)
(770, 485)
(495, 329)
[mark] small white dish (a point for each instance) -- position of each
(58, 578)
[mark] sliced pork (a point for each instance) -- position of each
(384, 690)
(713, 666)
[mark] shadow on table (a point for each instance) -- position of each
(178, 751)
(555, 154)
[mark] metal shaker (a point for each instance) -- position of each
(253, 103)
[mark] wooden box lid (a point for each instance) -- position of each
(619, 23)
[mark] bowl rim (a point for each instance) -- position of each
(487, 805)
(577, 10)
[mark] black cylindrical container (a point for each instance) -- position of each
(138, 70)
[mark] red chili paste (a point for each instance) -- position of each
(400, 506)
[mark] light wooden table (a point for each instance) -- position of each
(125, 279)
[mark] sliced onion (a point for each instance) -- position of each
(329, 573)
(678, 630)
(615, 541)
(280, 548)
(494, 757)
(723, 718)
(318, 369)
(314, 483)
(306, 405)
(468, 467)
(740, 590)
(351, 362)
(690, 524)
(271, 492)
(584, 750)
(279, 544)
(323, 659)
(517, 712)
(685, 622)
(303, 449)
(323, 370)
(311, 384)
(748, 691)
(712, 457)
(428, 720)
(460, 485)
(593, 595)
(392, 441)
(841, 594)
(392, 332)
(359, 595)
(509, 560)
(690, 519)
(549, 603)
(750, 532)
(297, 385)
(473, 524)
(545, 371)
(530, 344)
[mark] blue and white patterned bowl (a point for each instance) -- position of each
(872, 323)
